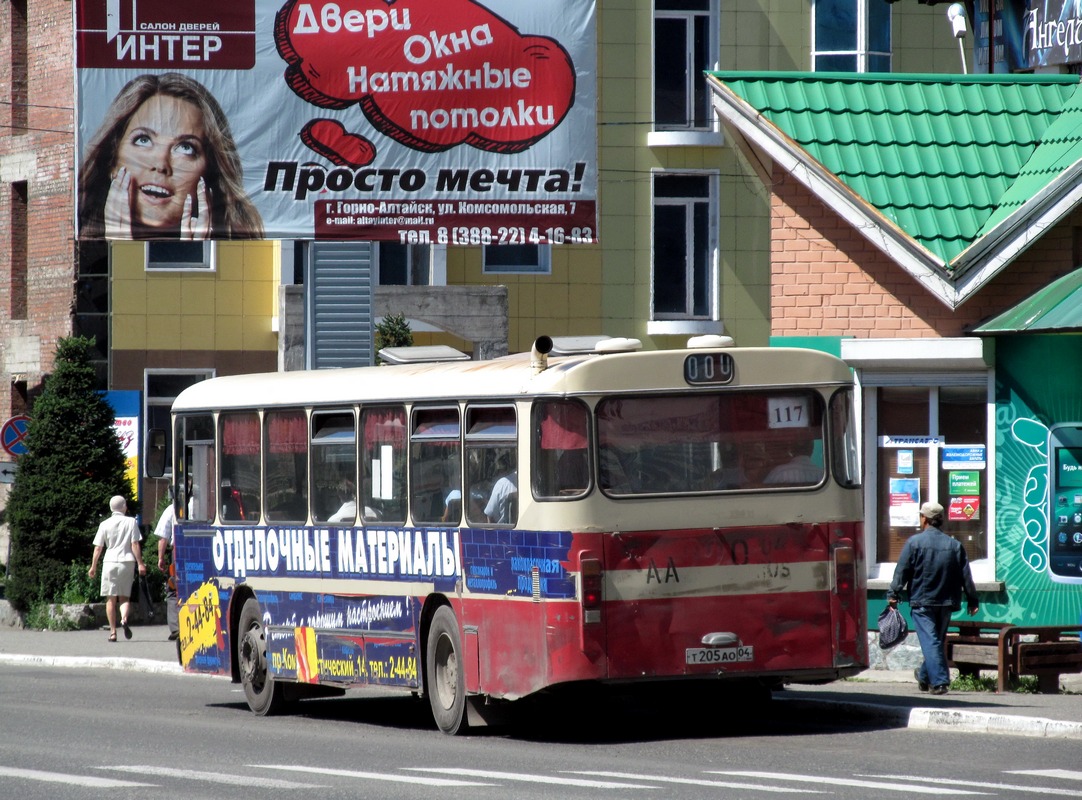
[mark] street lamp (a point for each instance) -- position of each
(956, 13)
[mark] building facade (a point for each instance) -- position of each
(700, 232)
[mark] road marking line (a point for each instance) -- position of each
(214, 777)
(696, 782)
(523, 778)
(1066, 774)
(982, 785)
(896, 787)
(372, 776)
(72, 780)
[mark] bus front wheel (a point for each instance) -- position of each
(265, 697)
(446, 680)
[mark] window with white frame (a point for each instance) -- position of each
(930, 442)
(851, 36)
(686, 44)
(180, 255)
(160, 389)
(529, 259)
(685, 246)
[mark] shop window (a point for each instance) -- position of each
(932, 445)
(160, 389)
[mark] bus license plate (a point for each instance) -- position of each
(719, 655)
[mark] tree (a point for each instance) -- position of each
(393, 331)
(73, 464)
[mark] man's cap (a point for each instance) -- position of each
(931, 510)
(118, 503)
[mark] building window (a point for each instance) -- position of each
(685, 246)
(18, 89)
(19, 243)
(531, 259)
(931, 444)
(160, 389)
(180, 255)
(851, 36)
(685, 45)
(405, 264)
(92, 305)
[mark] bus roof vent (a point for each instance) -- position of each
(710, 341)
(422, 354)
(619, 344)
(575, 345)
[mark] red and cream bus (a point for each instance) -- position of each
(480, 531)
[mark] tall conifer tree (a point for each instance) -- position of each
(74, 463)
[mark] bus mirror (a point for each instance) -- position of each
(155, 453)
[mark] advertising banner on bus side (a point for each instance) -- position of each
(418, 121)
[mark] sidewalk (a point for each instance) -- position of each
(888, 696)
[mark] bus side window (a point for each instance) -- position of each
(285, 447)
(561, 461)
(334, 468)
(491, 465)
(435, 463)
(238, 478)
(383, 464)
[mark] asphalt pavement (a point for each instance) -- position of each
(887, 696)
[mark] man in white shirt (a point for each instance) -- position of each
(118, 540)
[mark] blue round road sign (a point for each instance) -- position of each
(13, 435)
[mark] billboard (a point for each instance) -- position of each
(418, 121)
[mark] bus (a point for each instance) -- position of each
(477, 532)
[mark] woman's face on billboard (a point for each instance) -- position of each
(163, 148)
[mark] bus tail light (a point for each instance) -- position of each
(590, 578)
(845, 569)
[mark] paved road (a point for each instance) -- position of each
(85, 733)
(890, 697)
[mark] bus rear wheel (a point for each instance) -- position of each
(264, 695)
(446, 679)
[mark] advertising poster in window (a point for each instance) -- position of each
(452, 122)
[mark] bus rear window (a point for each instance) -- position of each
(681, 444)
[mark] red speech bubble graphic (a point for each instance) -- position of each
(430, 74)
(329, 138)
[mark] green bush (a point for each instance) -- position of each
(80, 588)
(40, 617)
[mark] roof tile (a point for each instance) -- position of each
(944, 157)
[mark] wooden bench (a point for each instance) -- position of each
(1045, 651)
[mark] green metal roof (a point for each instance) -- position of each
(945, 158)
(1055, 308)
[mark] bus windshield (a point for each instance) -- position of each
(688, 444)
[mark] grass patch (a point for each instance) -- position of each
(1027, 684)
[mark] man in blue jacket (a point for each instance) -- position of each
(936, 569)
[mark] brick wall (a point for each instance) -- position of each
(36, 148)
(827, 279)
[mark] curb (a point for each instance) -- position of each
(939, 719)
(146, 665)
